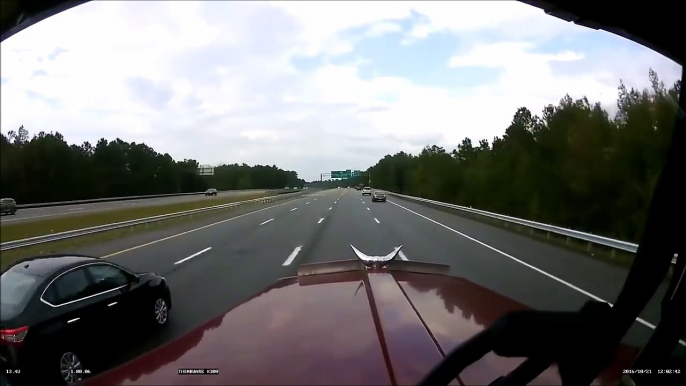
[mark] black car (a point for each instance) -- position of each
(211, 192)
(59, 312)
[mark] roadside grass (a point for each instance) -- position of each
(7, 258)
(22, 230)
(608, 255)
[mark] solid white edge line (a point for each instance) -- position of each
(678, 283)
(320, 220)
(570, 285)
(294, 209)
(377, 221)
(292, 256)
(187, 232)
(270, 220)
(193, 255)
(402, 256)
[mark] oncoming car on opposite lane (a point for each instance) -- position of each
(59, 311)
(211, 192)
(8, 205)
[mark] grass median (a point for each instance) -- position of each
(10, 256)
(22, 230)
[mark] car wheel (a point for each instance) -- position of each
(161, 311)
(71, 368)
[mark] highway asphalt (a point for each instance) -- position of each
(32, 214)
(239, 253)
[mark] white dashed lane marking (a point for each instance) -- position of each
(193, 255)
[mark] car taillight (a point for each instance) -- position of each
(14, 336)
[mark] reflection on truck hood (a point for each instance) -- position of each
(358, 327)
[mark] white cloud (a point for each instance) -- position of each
(215, 81)
(508, 54)
(522, 67)
(383, 28)
(260, 134)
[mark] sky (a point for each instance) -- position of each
(307, 86)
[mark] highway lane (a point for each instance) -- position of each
(32, 214)
(540, 275)
(245, 258)
(234, 257)
(502, 261)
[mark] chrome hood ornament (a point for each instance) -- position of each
(376, 261)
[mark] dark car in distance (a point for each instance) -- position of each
(60, 311)
(211, 192)
(8, 205)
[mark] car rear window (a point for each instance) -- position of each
(16, 289)
(72, 286)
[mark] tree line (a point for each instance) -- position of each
(573, 165)
(45, 168)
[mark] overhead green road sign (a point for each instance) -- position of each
(341, 173)
(345, 173)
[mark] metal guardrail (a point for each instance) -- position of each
(591, 238)
(15, 244)
(126, 198)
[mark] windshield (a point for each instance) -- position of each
(518, 148)
(16, 288)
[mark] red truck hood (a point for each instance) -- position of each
(356, 328)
